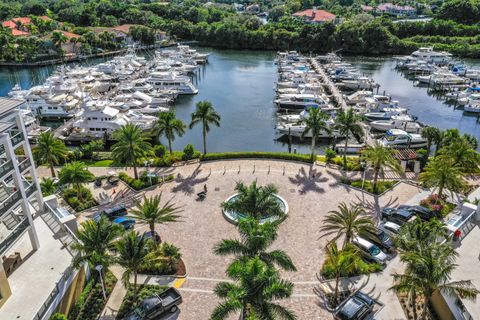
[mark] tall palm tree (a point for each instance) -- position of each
(77, 174)
(428, 271)
(462, 154)
(132, 253)
(50, 150)
(347, 221)
(58, 38)
(151, 213)
(348, 122)
(206, 115)
(252, 294)
(168, 125)
(255, 201)
(380, 157)
(130, 147)
(255, 238)
(342, 263)
(417, 234)
(95, 242)
(442, 173)
(433, 135)
(315, 123)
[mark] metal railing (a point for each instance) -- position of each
(30, 190)
(16, 137)
(10, 239)
(24, 164)
(10, 202)
(5, 168)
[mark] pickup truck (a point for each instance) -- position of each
(153, 307)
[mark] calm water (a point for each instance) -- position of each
(240, 86)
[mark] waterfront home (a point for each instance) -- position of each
(122, 32)
(315, 16)
(396, 10)
(20, 26)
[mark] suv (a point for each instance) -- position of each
(370, 251)
(398, 216)
(422, 212)
(389, 228)
(358, 307)
(380, 237)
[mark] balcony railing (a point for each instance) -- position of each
(10, 202)
(16, 137)
(7, 242)
(30, 190)
(5, 168)
(24, 164)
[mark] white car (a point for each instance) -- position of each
(370, 250)
(390, 228)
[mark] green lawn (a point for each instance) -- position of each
(100, 163)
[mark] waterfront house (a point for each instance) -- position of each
(19, 25)
(122, 32)
(315, 16)
(396, 10)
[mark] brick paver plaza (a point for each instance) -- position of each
(310, 192)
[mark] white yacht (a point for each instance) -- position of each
(360, 83)
(297, 129)
(473, 105)
(397, 138)
(429, 55)
(385, 115)
(397, 122)
(169, 81)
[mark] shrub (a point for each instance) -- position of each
(144, 291)
(261, 155)
(330, 154)
(144, 181)
(188, 152)
(438, 205)
(160, 151)
(87, 201)
(382, 186)
(58, 316)
(163, 260)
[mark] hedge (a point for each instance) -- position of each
(261, 155)
(144, 181)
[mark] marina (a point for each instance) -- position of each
(250, 110)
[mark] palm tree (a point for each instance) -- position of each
(255, 288)
(442, 173)
(168, 125)
(348, 122)
(255, 238)
(380, 157)
(58, 38)
(95, 241)
(130, 147)
(315, 123)
(433, 135)
(342, 263)
(50, 150)
(428, 271)
(255, 201)
(48, 186)
(150, 212)
(462, 154)
(132, 252)
(76, 173)
(206, 115)
(347, 221)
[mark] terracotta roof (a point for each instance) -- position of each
(125, 28)
(69, 35)
(406, 154)
(9, 24)
(315, 15)
(18, 33)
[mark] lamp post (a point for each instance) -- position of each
(99, 269)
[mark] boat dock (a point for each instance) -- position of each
(335, 92)
(64, 130)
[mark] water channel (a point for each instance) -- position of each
(240, 84)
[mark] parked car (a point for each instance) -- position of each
(398, 216)
(153, 307)
(126, 223)
(358, 307)
(420, 211)
(115, 212)
(390, 228)
(379, 237)
(370, 251)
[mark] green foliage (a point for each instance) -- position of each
(48, 186)
(188, 152)
(142, 34)
(330, 154)
(461, 11)
(58, 316)
(85, 201)
(253, 155)
(91, 302)
(160, 150)
(382, 186)
(130, 302)
(162, 260)
(144, 181)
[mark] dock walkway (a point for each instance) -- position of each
(336, 94)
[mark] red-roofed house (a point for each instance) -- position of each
(367, 8)
(19, 25)
(315, 16)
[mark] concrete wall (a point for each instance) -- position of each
(5, 291)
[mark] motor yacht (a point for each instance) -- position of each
(397, 138)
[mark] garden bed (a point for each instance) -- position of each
(260, 155)
(87, 201)
(90, 303)
(408, 308)
(144, 291)
(144, 181)
(438, 205)
(382, 186)
(165, 259)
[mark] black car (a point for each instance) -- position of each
(398, 216)
(379, 237)
(358, 307)
(422, 212)
(115, 212)
(153, 307)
